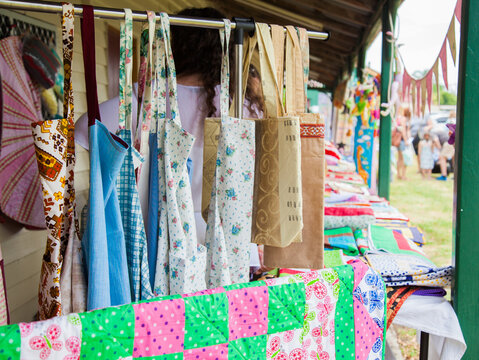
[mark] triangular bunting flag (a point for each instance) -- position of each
(423, 95)
(451, 38)
(435, 70)
(443, 57)
(457, 10)
(429, 89)
(418, 94)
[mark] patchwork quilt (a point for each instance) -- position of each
(332, 313)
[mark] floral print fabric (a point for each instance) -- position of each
(181, 261)
(62, 285)
(288, 318)
(228, 231)
(132, 218)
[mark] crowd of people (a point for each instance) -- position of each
(430, 150)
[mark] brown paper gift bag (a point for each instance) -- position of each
(308, 253)
(277, 203)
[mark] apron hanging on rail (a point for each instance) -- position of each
(181, 261)
(104, 239)
(62, 283)
(228, 233)
(132, 218)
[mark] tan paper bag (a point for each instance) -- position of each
(308, 253)
(277, 203)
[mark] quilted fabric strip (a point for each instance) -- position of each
(304, 316)
(344, 319)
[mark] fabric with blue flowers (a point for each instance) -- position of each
(132, 218)
(404, 269)
(228, 232)
(369, 312)
(181, 261)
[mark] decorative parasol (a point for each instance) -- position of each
(20, 188)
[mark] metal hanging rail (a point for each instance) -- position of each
(240, 26)
(137, 15)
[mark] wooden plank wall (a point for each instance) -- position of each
(23, 249)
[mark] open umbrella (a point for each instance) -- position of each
(20, 188)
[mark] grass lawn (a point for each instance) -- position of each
(428, 204)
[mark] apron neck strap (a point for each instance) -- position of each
(171, 71)
(159, 100)
(126, 68)
(225, 68)
(88, 43)
(145, 74)
(68, 13)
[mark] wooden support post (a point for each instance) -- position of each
(466, 199)
(361, 60)
(389, 12)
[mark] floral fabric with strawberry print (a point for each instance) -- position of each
(181, 261)
(315, 339)
(291, 318)
(228, 232)
(59, 339)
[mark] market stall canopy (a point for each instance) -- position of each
(351, 23)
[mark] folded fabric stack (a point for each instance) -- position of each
(406, 269)
(412, 233)
(341, 238)
(358, 223)
(392, 241)
(332, 313)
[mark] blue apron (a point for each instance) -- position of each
(103, 240)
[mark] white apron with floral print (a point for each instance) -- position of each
(181, 260)
(228, 233)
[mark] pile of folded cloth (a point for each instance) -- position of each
(358, 223)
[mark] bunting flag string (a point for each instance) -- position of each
(419, 91)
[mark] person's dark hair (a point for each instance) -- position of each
(254, 91)
(198, 51)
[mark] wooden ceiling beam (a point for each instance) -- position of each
(353, 5)
(336, 12)
(277, 11)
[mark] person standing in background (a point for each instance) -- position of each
(447, 151)
(402, 131)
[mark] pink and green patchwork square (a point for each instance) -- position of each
(248, 312)
(108, 333)
(251, 348)
(159, 327)
(206, 320)
(214, 352)
(286, 307)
